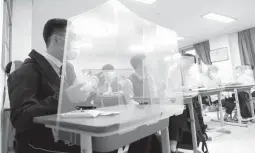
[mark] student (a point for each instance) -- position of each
(212, 80)
(186, 76)
(34, 91)
(245, 78)
(180, 74)
(138, 86)
(107, 80)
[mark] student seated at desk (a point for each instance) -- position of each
(107, 81)
(189, 80)
(138, 85)
(34, 91)
(245, 77)
(211, 80)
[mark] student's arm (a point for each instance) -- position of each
(128, 90)
(23, 86)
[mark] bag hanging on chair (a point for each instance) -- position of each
(186, 141)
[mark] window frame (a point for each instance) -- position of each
(7, 33)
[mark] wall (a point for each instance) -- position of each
(225, 67)
(21, 31)
(234, 50)
(43, 11)
(1, 72)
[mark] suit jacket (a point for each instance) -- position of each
(34, 91)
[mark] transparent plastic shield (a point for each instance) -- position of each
(244, 75)
(115, 61)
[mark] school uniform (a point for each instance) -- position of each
(139, 87)
(34, 91)
(175, 80)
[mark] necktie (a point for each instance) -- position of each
(60, 71)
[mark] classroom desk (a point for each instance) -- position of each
(209, 92)
(240, 88)
(108, 133)
(202, 92)
(232, 88)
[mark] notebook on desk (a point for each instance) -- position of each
(144, 100)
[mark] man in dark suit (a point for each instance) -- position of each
(34, 91)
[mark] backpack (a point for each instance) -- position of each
(186, 140)
(244, 103)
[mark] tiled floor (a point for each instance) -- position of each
(241, 139)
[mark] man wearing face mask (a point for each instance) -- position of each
(34, 91)
(107, 80)
(183, 76)
(139, 85)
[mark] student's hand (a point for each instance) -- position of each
(107, 94)
(79, 92)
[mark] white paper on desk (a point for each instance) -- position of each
(88, 113)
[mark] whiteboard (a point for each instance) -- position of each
(220, 54)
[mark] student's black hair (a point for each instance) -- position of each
(137, 60)
(10, 64)
(52, 26)
(108, 67)
(8, 68)
(190, 55)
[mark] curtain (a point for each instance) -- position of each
(203, 51)
(246, 47)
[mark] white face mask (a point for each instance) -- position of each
(110, 75)
(214, 74)
(72, 53)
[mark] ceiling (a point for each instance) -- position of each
(182, 16)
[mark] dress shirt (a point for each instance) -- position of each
(54, 62)
(129, 91)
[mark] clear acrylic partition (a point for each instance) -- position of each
(112, 34)
(244, 75)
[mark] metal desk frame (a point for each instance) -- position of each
(234, 89)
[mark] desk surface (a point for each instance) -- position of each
(130, 116)
(239, 86)
(222, 88)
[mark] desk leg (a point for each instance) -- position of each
(251, 104)
(86, 143)
(238, 108)
(193, 127)
(165, 140)
(220, 110)
(200, 100)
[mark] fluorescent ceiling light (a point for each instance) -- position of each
(219, 18)
(146, 1)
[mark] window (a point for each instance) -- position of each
(7, 22)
